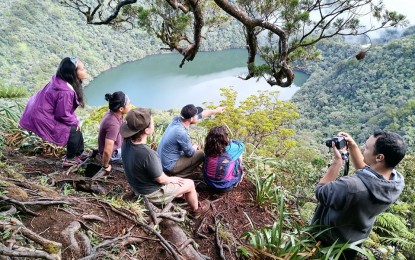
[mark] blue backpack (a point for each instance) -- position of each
(221, 172)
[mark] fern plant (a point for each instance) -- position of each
(391, 230)
(286, 240)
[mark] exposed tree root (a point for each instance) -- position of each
(93, 217)
(51, 249)
(202, 227)
(10, 212)
(17, 251)
(174, 233)
(163, 241)
(22, 205)
(156, 213)
(69, 236)
(218, 241)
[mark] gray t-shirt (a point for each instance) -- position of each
(141, 165)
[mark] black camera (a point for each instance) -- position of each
(339, 142)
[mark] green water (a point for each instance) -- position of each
(157, 81)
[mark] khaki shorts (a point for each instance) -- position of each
(165, 194)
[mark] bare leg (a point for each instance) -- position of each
(188, 190)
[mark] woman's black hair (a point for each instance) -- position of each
(67, 72)
(115, 100)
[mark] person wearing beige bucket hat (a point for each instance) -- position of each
(143, 168)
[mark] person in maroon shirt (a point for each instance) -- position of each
(109, 138)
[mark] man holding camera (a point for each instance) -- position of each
(348, 206)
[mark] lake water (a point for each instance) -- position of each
(157, 81)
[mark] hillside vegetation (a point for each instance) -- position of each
(360, 96)
(267, 216)
(36, 35)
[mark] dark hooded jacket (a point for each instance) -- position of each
(349, 205)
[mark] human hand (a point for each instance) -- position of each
(177, 180)
(336, 152)
(108, 168)
(219, 110)
(348, 138)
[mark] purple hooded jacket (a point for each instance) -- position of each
(50, 113)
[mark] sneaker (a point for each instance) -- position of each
(204, 207)
(83, 156)
(71, 162)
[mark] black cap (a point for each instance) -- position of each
(190, 111)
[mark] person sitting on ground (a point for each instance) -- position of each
(143, 167)
(179, 156)
(109, 138)
(222, 168)
(349, 205)
(50, 113)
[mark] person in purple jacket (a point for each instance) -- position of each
(50, 113)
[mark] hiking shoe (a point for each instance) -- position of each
(71, 162)
(83, 156)
(204, 207)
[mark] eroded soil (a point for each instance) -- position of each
(233, 212)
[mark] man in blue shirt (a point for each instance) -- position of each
(178, 155)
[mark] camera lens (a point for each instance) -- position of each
(329, 143)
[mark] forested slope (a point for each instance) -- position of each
(360, 96)
(36, 35)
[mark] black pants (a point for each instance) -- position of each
(75, 145)
(349, 254)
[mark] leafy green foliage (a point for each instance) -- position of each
(361, 96)
(12, 92)
(93, 238)
(291, 242)
(67, 189)
(13, 136)
(261, 120)
(266, 191)
(90, 126)
(275, 177)
(277, 31)
(392, 230)
(10, 132)
(31, 51)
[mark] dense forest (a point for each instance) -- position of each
(35, 35)
(268, 215)
(359, 96)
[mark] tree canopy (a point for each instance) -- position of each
(278, 31)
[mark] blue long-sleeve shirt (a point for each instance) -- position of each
(174, 143)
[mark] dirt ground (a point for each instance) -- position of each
(234, 212)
